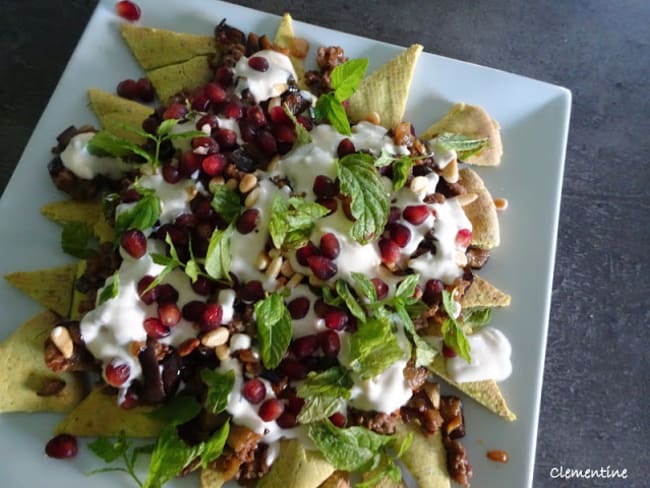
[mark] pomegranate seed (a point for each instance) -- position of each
(150, 296)
(129, 196)
(322, 267)
(338, 419)
(336, 319)
(200, 102)
(166, 293)
(293, 369)
(134, 243)
(214, 164)
(203, 286)
(328, 203)
(192, 311)
(330, 343)
(266, 142)
(211, 317)
(305, 252)
(432, 293)
(117, 373)
(279, 116)
(204, 211)
(248, 220)
(171, 174)
(321, 308)
(155, 328)
(252, 291)
(394, 215)
(186, 220)
(207, 119)
(389, 251)
(232, 110)
(448, 352)
(271, 409)
(463, 238)
(347, 209)
(205, 145)
(169, 314)
(145, 90)
(62, 446)
(247, 130)
(400, 234)
(346, 146)
(287, 420)
(324, 187)
(223, 76)
(295, 403)
(130, 400)
(329, 245)
(305, 346)
(298, 307)
(254, 391)
(255, 116)
(381, 288)
(416, 214)
(226, 138)
(176, 110)
(189, 163)
(214, 92)
(306, 123)
(258, 63)
(128, 89)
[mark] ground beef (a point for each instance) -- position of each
(457, 464)
(256, 468)
(327, 58)
(419, 409)
(477, 257)
(379, 422)
(451, 409)
(243, 442)
(81, 359)
(415, 377)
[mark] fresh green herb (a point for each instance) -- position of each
(424, 352)
(110, 290)
(213, 447)
(350, 300)
(169, 262)
(330, 298)
(407, 286)
(302, 134)
(401, 166)
(452, 331)
(292, 221)
(319, 407)
(226, 203)
(179, 410)
(75, 239)
(143, 215)
(370, 203)
(388, 468)
(169, 457)
(374, 348)
(329, 107)
(104, 143)
(324, 394)
(217, 258)
(110, 450)
(364, 287)
(219, 387)
(274, 329)
(463, 145)
(477, 318)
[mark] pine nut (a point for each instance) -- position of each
(216, 337)
(450, 172)
(251, 198)
(274, 162)
(373, 118)
(501, 203)
(286, 269)
(418, 184)
(247, 183)
(295, 280)
(262, 261)
(274, 253)
(232, 184)
(432, 391)
(466, 198)
(222, 352)
(61, 338)
(274, 267)
(186, 348)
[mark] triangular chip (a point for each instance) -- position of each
(481, 293)
(426, 458)
(338, 479)
(99, 415)
(23, 371)
(186, 76)
(90, 213)
(297, 467)
(51, 287)
(211, 478)
(485, 392)
(155, 48)
(386, 90)
(77, 296)
(481, 212)
(471, 120)
(285, 38)
(113, 111)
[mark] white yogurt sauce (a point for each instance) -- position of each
(265, 84)
(441, 156)
(490, 354)
(77, 159)
(174, 198)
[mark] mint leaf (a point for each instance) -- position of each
(110, 290)
(452, 332)
(401, 171)
(332, 382)
(374, 348)
(302, 134)
(370, 203)
(169, 457)
(107, 450)
(104, 143)
(424, 352)
(477, 318)
(178, 411)
(330, 108)
(219, 387)
(166, 126)
(406, 287)
(75, 238)
(192, 270)
(143, 215)
(217, 258)
(274, 329)
(464, 146)
(364, 287)
(346, 77)
(292, 221)
(350, 300)
(319, 407)
(226, 203)
(213, 447)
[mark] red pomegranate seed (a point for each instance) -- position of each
(248, 220)
(389, 251)
(328, 203)
(203, 286)
(150, 296)
(258, 63)
(284, 133)
(192, 311)
(266, 142)
(200, 102)
(306, 123)
(287, 420)
(336, 319)
(214, 92)
(432, 293)
(214, 164)
(305, 346)
(400, 234)
(330, 343)
(145, 90)
(381, 288)
(128, 89)
(324, 187)
(271, 409)
(226, 138)
(329, 246)
(338, 419)
(169, 314)
(189, 163)
(176, 110)
(211, 317)
(322, 267)
(204, 211)
(305, 252)
(251, 291)
(166, 293)
(129, 196)
(294, 403)
(464, 238)
(416, 214)
(186, 220)
(279, 116)
(207, 119)
(62, 446)
(293, 369)
(223, 76)
(205, 145)
(321, 308)
(255, 115)
(130, 400)
(171, 174)
(448, 352)
(155, 328)
(134, 243)
(254, 391)
(346, 146)
(117, 373)
(394, 215)
(298, 307)
(232, 110)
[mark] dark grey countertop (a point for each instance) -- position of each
(594, 401)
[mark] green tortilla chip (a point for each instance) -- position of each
(90, 213)
(113, 111)
(77, 296)
(50, 287)
(338, 479)
(100, 415)
(156, 48)
(284, 37)
(23, 371)
(386, 90)
(211, 478)
(296, 467)
(426, 458)
(482, 212)
(181, 77)
(481, 293)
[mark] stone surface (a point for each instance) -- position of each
(595, 392)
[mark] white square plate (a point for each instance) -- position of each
(534, 117)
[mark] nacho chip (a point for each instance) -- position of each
(99, 415)
(113, 111)
(155, 48)
(426, 458)
(481, 293)
(284, 37)
(338, 479)
(296, 467)
(90, 213)
(471, 120)
(77, 296)
(383, 483)
(481, 212)
(50, 287)
(186, 76)
(211, 478)
(386, 90)
(23, 371)
(486, 392)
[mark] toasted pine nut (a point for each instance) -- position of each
(418, 184)
(216, 337)
(61, 338)
(280, 283)
(232, 184)
(188, 346)
(286, 269)
(251, 198)
(373, 118)
(432, 391)
(274, 267)
(191, 192)
(247, 183)
(450, 172)
(466, 198)
(262, 261)
(501, 203)
(274, 162)
(274, 253)
(454, 424)
(222, 352)
(295, 280)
